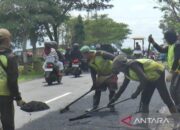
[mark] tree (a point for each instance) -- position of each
(58, 11)
(23, 19)
(127, 51)
(79, 34)
(171, 18)
(105, 30)
(14, 18)
(27, 17)
(99, 30)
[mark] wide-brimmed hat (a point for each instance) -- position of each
(4, 33)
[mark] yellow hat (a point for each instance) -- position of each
(4, 33)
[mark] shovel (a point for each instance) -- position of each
(65, 109)
(87, 114)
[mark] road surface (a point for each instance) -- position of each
(57, 96)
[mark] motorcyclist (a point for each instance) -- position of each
(150, 74)
(173, 60)
(60, 55)
(67, 54)
(50, 55)
(67, 61)
(100, 63)
(75, 52)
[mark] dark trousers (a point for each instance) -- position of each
(7, 113)
(162, 89)
(175, 88)
(97, 97)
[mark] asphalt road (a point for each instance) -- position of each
(57, 96)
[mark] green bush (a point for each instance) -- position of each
(127, 51)
(20, 69)
(37, 64)
(30, 76)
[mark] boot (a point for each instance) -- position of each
(96, 100)
(91, 109)
(111, 94)
(143, 108)
(112, 108)
(173, 109)
(174, 114)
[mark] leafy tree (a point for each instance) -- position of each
(34, 18)
(171, 18)
(58, 12)
(127, 51)
(14, 18)
(104, 30)
(101, 30)
(79, 34)
(22, 18)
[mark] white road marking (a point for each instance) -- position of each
(56, 98)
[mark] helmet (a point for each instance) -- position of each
(75, 46)
(85, 49)
(47, 44)
(54, 44)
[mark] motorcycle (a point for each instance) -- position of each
(52, 73)
(84, 65)
(67, 68)
(76, 70)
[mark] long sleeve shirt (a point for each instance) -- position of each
(176, 53)
(12, 74)
(137, 68)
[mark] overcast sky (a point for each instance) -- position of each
(139, 15)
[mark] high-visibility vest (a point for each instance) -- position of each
(4, 91)
(101, 65)
(152, 70)
(170, 56)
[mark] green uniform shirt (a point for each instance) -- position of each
(101, 65)
(152, 69)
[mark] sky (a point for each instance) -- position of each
(140, 15)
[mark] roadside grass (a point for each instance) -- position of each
(30, 76)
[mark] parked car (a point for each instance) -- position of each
(112, 48)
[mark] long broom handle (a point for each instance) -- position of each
(107, 106)
(77, 99)
(85, 115)
(148, 50)
(149, 47)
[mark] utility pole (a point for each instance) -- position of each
(88, 10)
